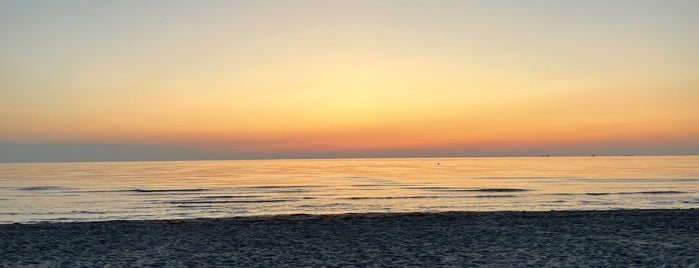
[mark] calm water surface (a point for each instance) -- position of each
(194, 189)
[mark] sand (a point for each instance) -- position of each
(640, 238)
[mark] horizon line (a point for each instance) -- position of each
(350, 157)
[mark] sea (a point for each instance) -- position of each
(102, 191)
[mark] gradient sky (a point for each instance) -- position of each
(247, 79)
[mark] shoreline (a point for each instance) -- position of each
(646, 238)
(353, 216)
(301, 217)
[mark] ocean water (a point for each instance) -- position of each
(36, 192)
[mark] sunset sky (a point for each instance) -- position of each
(275, 79)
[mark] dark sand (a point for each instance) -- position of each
(646, 238)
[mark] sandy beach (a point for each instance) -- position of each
(640, 238)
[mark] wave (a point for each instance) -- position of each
(148, 191)
(426, 197)
(523, 178)
(292, 191)
(595, 202)
(635, 179)
(655, 192)
(84, 212)
(622, 193)
(497, 196)
(391, 197)
(282, 186)
(331, 205)
(195, 206)
(660, 202)
(643, 192)
(166, 190)
(231, 201)
(229, 196)
(45, 188)
(372, 185)
(362, 189)
(492, 190)
(500, 190)
(88, 212)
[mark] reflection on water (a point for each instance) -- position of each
(192, 189)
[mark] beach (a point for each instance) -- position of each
(640, 238)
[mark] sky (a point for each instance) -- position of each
(297, 79)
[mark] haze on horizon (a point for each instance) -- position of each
(120, 80)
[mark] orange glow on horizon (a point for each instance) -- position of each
(363, 77)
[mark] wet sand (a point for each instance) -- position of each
(640, 238)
